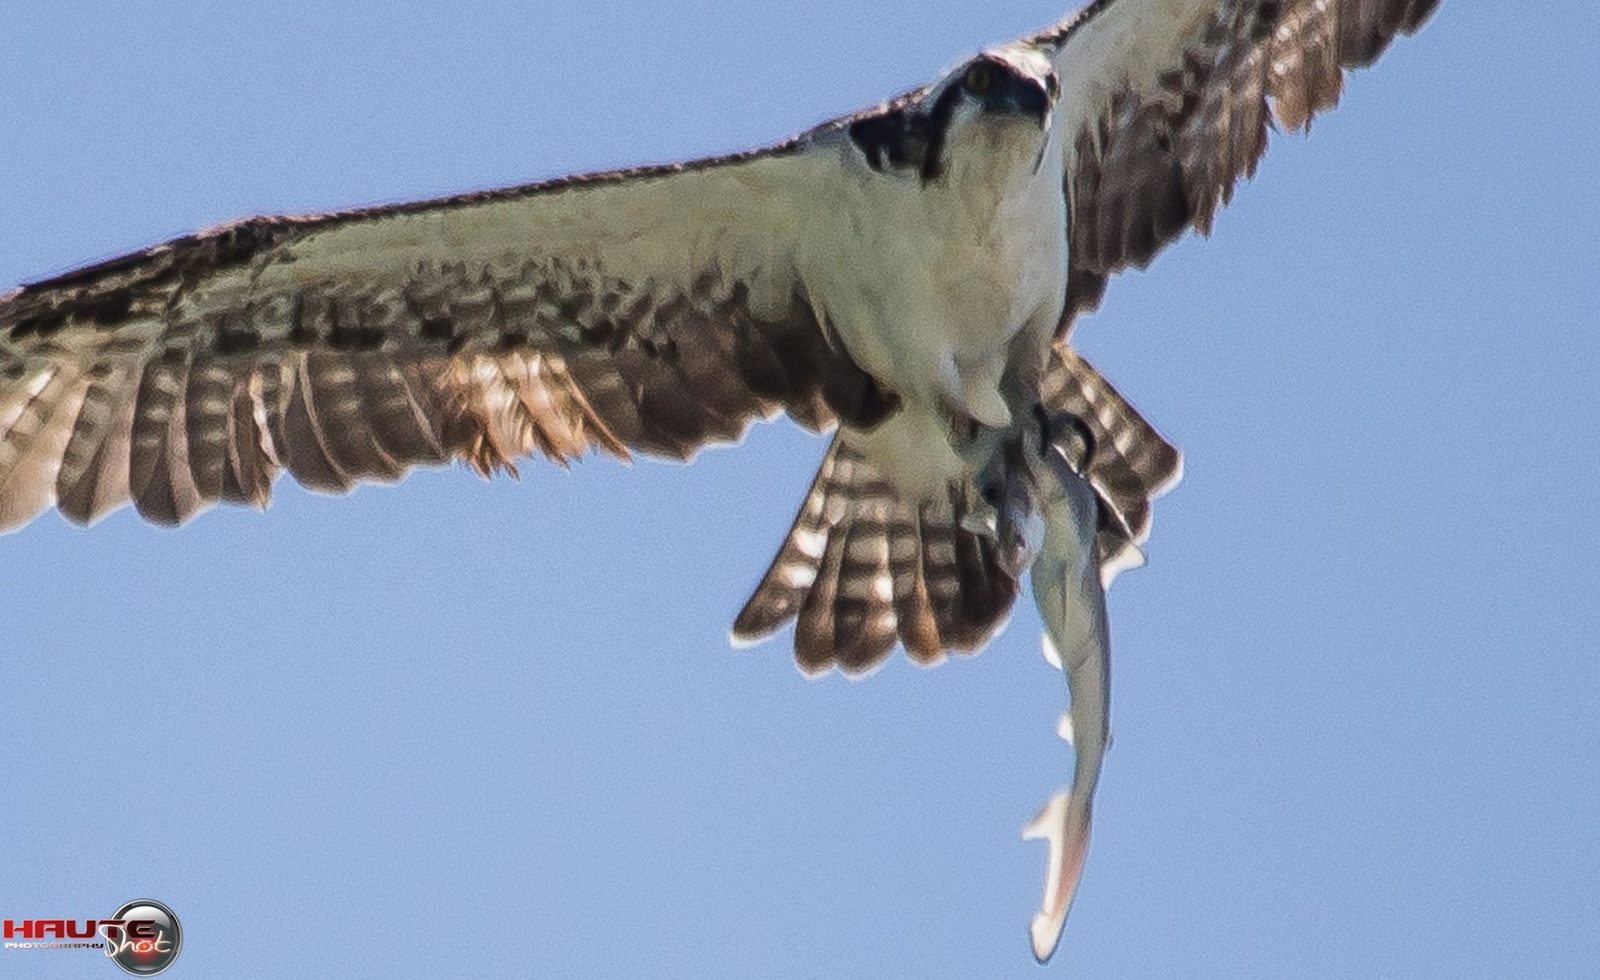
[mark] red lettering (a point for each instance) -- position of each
(80, 928)
(88, 929)
(142, 929)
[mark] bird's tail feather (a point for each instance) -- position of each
(864, 568)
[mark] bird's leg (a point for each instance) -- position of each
(999, 499)
(1002, 499)
(985, 496)
(983, 449)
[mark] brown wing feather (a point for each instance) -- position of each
(864, 567)
(1131, 464)
(174, 380)
(1162, 152)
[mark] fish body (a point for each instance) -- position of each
(1070, 594)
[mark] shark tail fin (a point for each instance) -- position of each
(1064, 824)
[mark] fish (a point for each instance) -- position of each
(1070, 593)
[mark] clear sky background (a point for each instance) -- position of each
(469, 729)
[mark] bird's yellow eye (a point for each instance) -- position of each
(979, 78)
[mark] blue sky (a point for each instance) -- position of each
(468, 729)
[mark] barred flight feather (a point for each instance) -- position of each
(863, 568)
(1130, 464)
(196, 371)
(1164, 117)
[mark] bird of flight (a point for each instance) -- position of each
(906, 277)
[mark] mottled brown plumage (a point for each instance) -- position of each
(1164, 153)
(863, 567)
(349, 380)
(659, 310)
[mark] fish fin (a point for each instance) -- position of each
(1052, 656)
(1064, 824)
(1066, 729)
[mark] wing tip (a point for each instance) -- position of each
(741, 639)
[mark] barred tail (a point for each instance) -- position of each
(863, 568)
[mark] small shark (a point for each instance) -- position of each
(1052, 512)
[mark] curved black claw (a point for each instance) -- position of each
(1066, 433)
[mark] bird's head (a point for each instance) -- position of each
(1001, 100)
(1010, 84)
(1016, 83)
(998, 104)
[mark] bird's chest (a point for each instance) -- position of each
(997, 261)
(949, 273)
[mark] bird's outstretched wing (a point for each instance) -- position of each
(1165, 104)
(654, 309)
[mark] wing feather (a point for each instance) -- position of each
(208, 412)
(159, 480)
(95, 466)
(250, 466)
(36, 436)
(307, 447)
(1130, 464)
(588, 314)
(1167, 103)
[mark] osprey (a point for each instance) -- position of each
(906, 277)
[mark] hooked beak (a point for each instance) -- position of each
(1035, 99)
(1031, 99)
